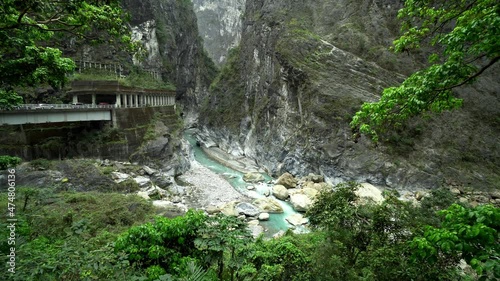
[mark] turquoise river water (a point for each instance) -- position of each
(276, 222)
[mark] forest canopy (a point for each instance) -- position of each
(27, 28)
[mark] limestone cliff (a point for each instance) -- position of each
(286, 96)
(170, 33)
(219, 22)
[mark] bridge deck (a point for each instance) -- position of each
(19, 117)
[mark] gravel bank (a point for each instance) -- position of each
(209, 187)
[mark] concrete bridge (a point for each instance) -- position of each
(92, 101)
(35, 116)
(111, 92)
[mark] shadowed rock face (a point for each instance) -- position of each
(219, 22)
(302, 70)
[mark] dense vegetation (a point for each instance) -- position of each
(28, 29)
(91, 236)
(464, 36)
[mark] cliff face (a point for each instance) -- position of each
(219, 22)
(168, 29)
(287, 94)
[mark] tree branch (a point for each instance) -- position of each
(491, 63)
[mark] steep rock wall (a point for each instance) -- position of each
(219, 22)
(287, 94)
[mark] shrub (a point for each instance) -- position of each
(7, 161)
(41, 164)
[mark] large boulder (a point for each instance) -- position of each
(169, 209)
(296, 219)
(280, 192)
(119, 177)
(314, 178)
(256, 230)
(370, 192)
(148, 170)
(142, 181)
(287, 180)
(300, 202)
(247, 209)
(229, 209)
(268, 205)
(310, 192)
(253, 177)
(163, 180)
(264, 216)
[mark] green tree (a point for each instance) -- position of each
(222, 234)
(367, 241)
(164, 243)
(28, 28)
(472, 234)
(464, 34)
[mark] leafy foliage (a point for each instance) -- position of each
(9, 99)
(27, 27)
(471, 234)
(465, 34)
(7, 161)
(369, 241)
(164, 242)
(67, 236)
(219, 234)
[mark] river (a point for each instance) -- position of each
(276, 222)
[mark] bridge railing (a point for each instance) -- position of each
(45, 106)
(62, 106)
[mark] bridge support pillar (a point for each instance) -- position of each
(93, 99)
(136, 100)
(75, 99)
(125, 102)
(118, 100)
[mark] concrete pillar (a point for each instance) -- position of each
(118, 100)
(93, 99)
(75, 98)
(136, 100)
(125, 102)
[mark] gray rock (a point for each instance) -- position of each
(149, 170)
(264, 216)
(253, 177)
(256, 230)
(287, 180)
(495, 194)
(119, 177)
(297, 219)
(247, 209)
(371, 192)
(229, 209)
(280, 192)
(300, 202)
(143, 194)
(163, 180)
(212, 210)
(142, 181)
(268, 205)
(177, 190)
(279, 234)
